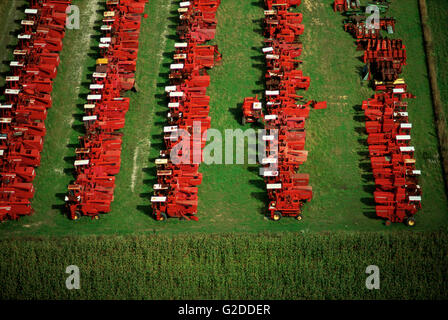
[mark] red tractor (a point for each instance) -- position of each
(340, 5)
(288, 203)
(172, 206)
(252, 110)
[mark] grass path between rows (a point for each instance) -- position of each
(227, 266)
(438, 15)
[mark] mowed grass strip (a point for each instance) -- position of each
(227, 266)
(438, 14)
(337, 163)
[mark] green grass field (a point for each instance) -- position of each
(324, 256)
(232, 197)
(438, 13)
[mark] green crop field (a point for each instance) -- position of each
(232, 197)
(228, 266)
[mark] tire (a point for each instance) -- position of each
(410, 222)
(77, 216)
(277, 216)
(163, 217)
(388, 223)
(97, 217)
(243, 121)
(299, 217)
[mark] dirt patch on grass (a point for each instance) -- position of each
(308, 5)
(317, 22)
(134, 168)
(32, 224)
(164, 34)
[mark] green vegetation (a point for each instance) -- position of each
(126, 254)
(228, 266)
(232, 197)
(433, 46)
(438, 13)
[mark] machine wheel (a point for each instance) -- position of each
(243, 121)
(277, 216)
(299, 217)
(163, 217)
(388, 223)
(77, 216)
(410, 222)
(97, 217)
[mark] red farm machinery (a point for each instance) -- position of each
(98, 158)
(397, 193)
(285, 111)
(176, 192)
(27, 101)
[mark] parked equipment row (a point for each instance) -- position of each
(284, 122)
(178, 178)
(27, 101)
(98, 158)
(398, 193)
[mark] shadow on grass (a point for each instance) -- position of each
(61, 208)
(364, 163)
(14, 32)
(259, 63)
(259, 4)
(237, 112)
(146, 210)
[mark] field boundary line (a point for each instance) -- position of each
(440, 118)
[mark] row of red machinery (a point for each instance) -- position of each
(397, 194)
(176, 191)
(27, 100)
(98, 158)
(284, 122)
